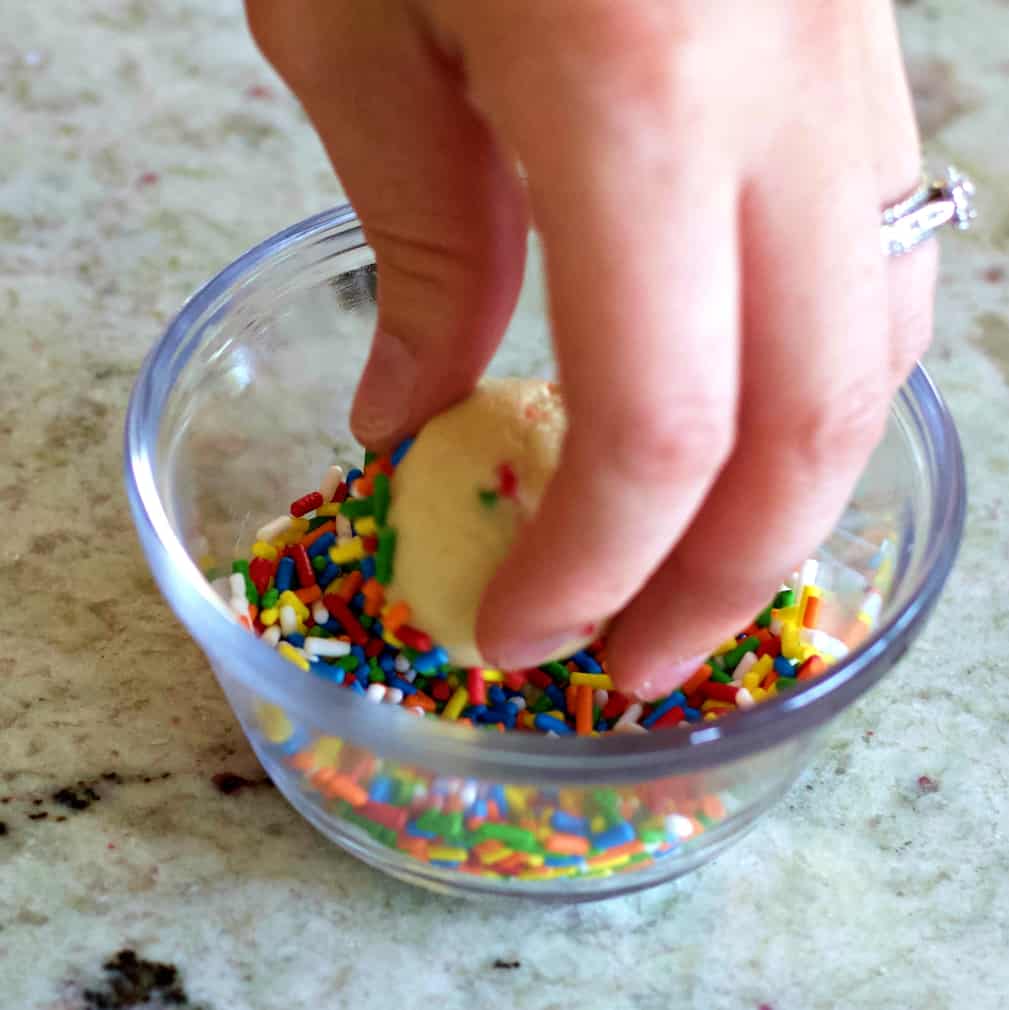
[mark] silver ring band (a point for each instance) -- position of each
(948, 200)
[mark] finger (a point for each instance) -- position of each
(641, 264)
(814, 397)
(443, 211)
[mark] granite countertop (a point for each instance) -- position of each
(146, 144)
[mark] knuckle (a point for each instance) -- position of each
(847, 422)
(667, 445)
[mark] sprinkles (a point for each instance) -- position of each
(315, 589)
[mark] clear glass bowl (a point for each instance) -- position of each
(238, 410)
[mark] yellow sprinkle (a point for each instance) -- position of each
(791, 645)
(269, 616)
(288, 599)
(597, 824)
(366, 526)
(329, 509)
(492, 676)
(349, 550)
(273, 722)
(334, 586)
(492, 856)
(326, 750)
(391, 639)
(555, 714)
(727, 646)
(517, 798)
(604, 863)
(264, 550)
(290, 653)
(751, 680)
(448, 853)
(710, 716)
(711, 704)
(533, 858)
(595, 680)
(548, 872)
(762, 667)
(456, 704)
(758, 694)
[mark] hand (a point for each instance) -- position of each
(706, 180)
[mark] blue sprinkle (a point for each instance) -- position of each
(497, 794)
(547, 723)
(333, 626)
(586, 663)
(426, 662)
(358, 652)
(783, 668)
(404, 685)
(322, 545)
(295, 639)
(285, 574)
(478, 808)
(368, 567)
(412, 829)
(381, 789)
(676, 698)
(297, 741)
(352, 476)
(363, 675)
(493, 715)
(387, 662)
(662, 853)
(691, 714)
(556, 859)
(357, 603)
(400, 451)
(601, 726)
(569, 824)
(619, 834)
(496, 695)
(334, 673)
(449, 864)
(358, 687)
(556, 696)
(329, 573)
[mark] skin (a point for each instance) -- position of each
(706, 180)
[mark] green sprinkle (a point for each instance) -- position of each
(347, 663)
(651, 836)
(319, 562)
(240, 566)
(763, 619)
(357, 508)
(381, 497)
(510, 834)
(541, 704)
(733, 657)
(402, 793)
(315, 523)
(487, 498)
(785, 598)
(785, 683)
(251, 593)
(316, 632)
(720, 677)
(384, 555)
(607, 803)
(366, 621)
(558, 671)
(270, 598)
(369, 456)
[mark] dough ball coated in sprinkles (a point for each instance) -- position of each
(473, 476)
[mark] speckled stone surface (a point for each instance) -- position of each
(144, 145)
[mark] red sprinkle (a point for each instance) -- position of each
(672, 718)
(507, 481)
(414, 639)
(538, 678)
(441, 690)
(813, 667)
(718, 692)
(261, 571)
(306, 503)
(476, 686)
(615, 706)
(338, 609)
(370, 544)
(302, 564)
(374, 648)
(515, 679)
(340, 494)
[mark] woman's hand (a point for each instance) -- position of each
(707, 181)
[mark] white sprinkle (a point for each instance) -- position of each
(629, 727)
(823, 642)
(271, 635)
(401, 663)
(518, 704)
(677, 824)
(222, 586)
(274, 529)
(744, 699)
(344, 531)
(630, 715)
(288, 620)
(375, 693)
(602, 697)
(743, 667)
(319, 612)
(239, 606)
(330, 482)
(393, 695)
(872, 606)
(807, 575)
(776, 625)
(237, 583)
(468, 794)
(327, 647)
(409, 676)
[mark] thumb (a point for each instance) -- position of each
(441, 207)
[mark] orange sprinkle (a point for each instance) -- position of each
(303, 761)
(374, 597)
(351, 584)
(712, 806)
(567, 845)
(420, 700)
(364, 486)
(309, 538)
(769, 680)
(309, 595)
(701, 675)
(416, 847)
(341, 787)
(490, 845)
(811, 613)
(395, 615)
(627, 849)
(583, 709)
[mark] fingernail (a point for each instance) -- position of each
(384, 396)
(665, 679)
(527, 652)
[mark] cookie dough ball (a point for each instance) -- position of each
(473, 476)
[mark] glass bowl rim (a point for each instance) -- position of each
(464, 751)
